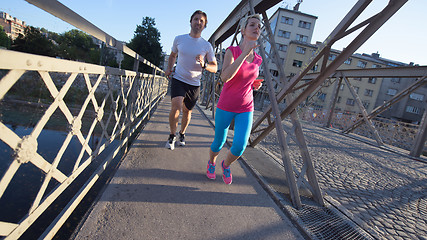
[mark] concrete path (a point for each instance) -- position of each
(161, 194)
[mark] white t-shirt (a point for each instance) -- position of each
(187, 69)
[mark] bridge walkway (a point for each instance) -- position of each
(157, 193)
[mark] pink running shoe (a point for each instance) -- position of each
(226, 176)
(210, 172)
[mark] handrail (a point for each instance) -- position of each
(61, 11)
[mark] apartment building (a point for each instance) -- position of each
(11, 25)
(409, 109)
(289, 25)
(368, 89)
(373, 92)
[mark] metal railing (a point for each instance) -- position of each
(97, 108)
(392, 132)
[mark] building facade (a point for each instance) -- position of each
(409, 109)
(11, 25)
(289, 25)
(299, 54)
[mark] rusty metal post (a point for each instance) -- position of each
(293, 189)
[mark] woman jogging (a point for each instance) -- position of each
(239, 72)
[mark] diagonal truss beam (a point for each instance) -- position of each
(363, 111)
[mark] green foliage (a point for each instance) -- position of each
(145, 42)
(73, 45)
(34, 42)
(79, 46)
(5, 41)
(107, 57)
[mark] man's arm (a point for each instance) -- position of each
(171, 62)
(212, 66)
(209, 66)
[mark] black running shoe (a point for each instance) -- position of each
(171, 142)
(181, 140)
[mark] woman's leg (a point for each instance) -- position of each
(242, 131)
(222, 123)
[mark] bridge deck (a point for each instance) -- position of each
(161, 194)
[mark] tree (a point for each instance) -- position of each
(5, 41)
(145, 42)
(107, 57)
(34, 41)
(79, 46)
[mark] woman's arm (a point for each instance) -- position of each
(231, 66)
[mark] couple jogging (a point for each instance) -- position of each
(239, 71)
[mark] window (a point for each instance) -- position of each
(300, 50)
(317, 107)
(302, 38)
(303, 24)
(348, 61)
(411, 109)
(315, 67)
(287, 20)
(297, 63)
(275, 73)
(284, 34)
(356, 89)
(391, 91)
(365, 104)
(342, 87)
(332, 57)
(338, 99)
(362, 64)
(358, 79)
(321, 96)
(416, 96)
(350, 101)
(376, 66)
(281, 47)
(369, 92)
(372, 80)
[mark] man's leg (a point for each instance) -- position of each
(173, 121)
(186, 117)
(177, 105)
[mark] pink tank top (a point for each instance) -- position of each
(237, 94)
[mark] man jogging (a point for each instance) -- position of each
(194, 54)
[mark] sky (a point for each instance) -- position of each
(402, 38)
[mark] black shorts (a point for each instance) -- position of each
(189, 92)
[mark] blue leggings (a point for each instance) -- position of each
(242, 130)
